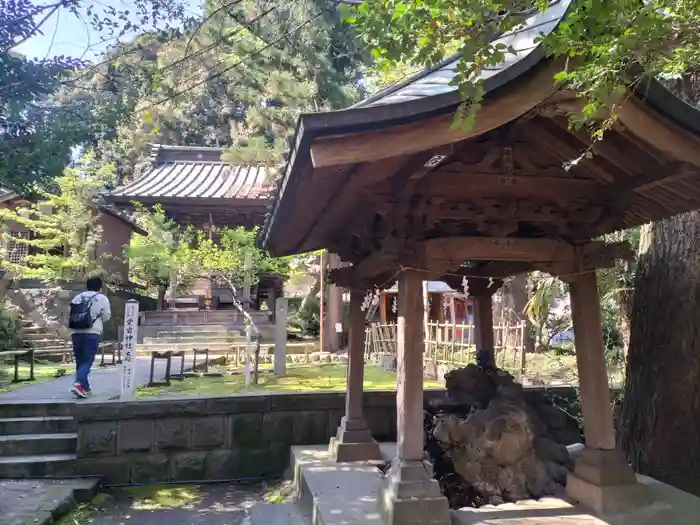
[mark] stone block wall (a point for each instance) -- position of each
(217, 438)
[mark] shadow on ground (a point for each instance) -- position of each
(216, 504)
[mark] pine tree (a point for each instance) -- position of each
(238, 79)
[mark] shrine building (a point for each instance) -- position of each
(518, 191)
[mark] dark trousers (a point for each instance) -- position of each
(84, 349)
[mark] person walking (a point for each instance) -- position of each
(89, 310)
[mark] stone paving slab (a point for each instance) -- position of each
(338, 493)
(39, 502)
(217, 504)
(105, 382)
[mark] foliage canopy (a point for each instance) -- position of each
(64, 230)
(610, 45)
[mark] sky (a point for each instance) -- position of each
(65, 34)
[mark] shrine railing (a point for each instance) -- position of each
(453, 344)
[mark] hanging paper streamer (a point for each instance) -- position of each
(490, 282)
(465, 286)
(395, 305)
(446, 305)
(367, 301)
(371, 299)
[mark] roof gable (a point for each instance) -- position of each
(194, 173)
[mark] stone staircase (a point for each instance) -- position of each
(37, 337)
(217, 338)
(37, 440)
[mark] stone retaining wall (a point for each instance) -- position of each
(221, 438)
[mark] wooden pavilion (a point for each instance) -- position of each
(445, 304)
(499, 199)
(196, 188)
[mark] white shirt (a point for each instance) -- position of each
(100, 311)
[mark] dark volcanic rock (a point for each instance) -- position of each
(488, 443)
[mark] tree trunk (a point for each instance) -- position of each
(314, 289)
(6, 282)
(624, 318)
(160, 301)
(518, 291)
(256, 364)
(249, 337)
(660, 417)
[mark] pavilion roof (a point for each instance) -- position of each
(183, 172)
(437, 80)
(390, 175)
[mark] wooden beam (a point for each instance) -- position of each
(555, 141)
(558, 189)
(520, 210)
(565, 260)
(513, 102)
(625, 188)
(491, 269)
(454, 251)
(658, 132)
(609, 149)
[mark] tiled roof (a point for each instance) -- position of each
(436, 80)
(428, 91)
(186, 172)
(6, 195)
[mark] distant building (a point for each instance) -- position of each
(196, 188)
(116, 227)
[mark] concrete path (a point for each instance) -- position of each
(105, 382)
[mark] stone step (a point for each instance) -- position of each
(165, 347)
(37, 425)
(196, 339)
(48, 343)
(33, 332)
(43, 466)
(22, 409)
(198, 329)
(34, 444)
(277, 514)
(46, 501)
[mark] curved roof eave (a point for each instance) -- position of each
(370, 114)
(369, 117)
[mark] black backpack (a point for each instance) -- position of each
(80, 317)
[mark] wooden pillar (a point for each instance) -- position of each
(271, 298)
(353, 441)
(596, 408)
(410, 347)
(322, 302)
(410, 495)
(602, 479)
(383, 297)
(334, 309)
(483, 329)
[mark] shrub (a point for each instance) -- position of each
(9, 328)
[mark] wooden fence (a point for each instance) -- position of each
(453, 344)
